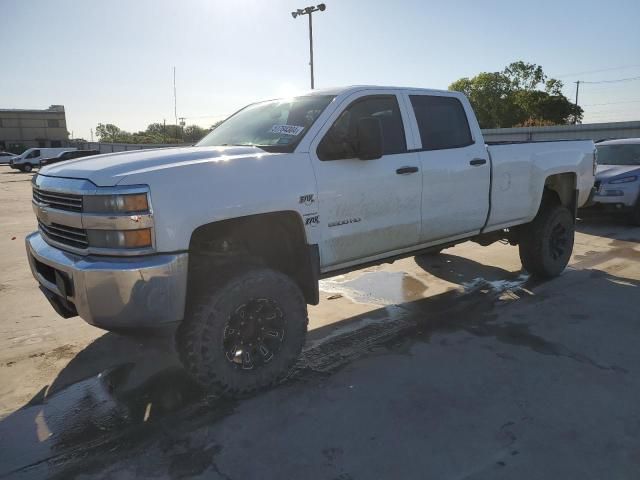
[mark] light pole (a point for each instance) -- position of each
(575, 118)
(308, 11)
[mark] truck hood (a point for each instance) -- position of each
(608, 172)
(109, 169)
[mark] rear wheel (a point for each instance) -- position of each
(546, 243)
(245, 334)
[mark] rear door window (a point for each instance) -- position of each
(442, 122)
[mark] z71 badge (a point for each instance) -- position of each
(314, 220)
(307, 199)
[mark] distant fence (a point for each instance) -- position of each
(122, 147)
(586, 131)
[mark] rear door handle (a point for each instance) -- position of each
(406, 170)
(477, 161)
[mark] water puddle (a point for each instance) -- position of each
(89, 412)
(498, 286)
(377, 288)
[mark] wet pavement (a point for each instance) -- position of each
(473, 384)
(449, 366)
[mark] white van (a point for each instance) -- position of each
(31, 157)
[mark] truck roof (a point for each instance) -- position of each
(356, 88)
(621, 141)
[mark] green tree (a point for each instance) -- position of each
(193, 133)
(108, 132)
(521, 94)
(154, 133)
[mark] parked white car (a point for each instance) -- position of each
(30, 158)
(228, 239)
(5, 157)
(618, 178)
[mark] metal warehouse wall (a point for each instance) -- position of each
(123, 147)
(593, 131)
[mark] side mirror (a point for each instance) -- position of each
(369, 138)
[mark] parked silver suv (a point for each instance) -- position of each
(617, 185)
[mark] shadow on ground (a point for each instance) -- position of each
(121, 391)
(456, 269)
(608, 225)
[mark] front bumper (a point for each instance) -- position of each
(615, 196)
(111, 292)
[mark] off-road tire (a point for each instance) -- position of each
(539, 254)
(200, 338)
(27, 167)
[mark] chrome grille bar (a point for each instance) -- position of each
(74, 237)
(61, 201)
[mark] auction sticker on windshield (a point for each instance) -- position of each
(287, 129)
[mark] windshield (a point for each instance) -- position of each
(626, 154)
(276, 125)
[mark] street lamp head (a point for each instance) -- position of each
(294, 14)
(322, 7)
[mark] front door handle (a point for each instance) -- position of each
(478, 161)
(406, 170)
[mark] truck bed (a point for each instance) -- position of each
(519, 171)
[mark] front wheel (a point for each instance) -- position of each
(546, 243)
(245, 334)
(27, 167)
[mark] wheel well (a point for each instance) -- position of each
(562, 188)
(275, 240)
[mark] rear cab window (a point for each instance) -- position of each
(442, 122)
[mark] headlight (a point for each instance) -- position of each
(120, 203)
(625, 179)
(137, 239)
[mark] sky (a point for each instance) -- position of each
(111, 61)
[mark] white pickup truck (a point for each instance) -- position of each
(227, 239)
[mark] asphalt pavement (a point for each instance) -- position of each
(454, 366)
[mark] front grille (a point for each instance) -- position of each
(73, 237)
(60, 201)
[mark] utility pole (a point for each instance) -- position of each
(182, 124)
(92, 135)
(175, 101)
(575, 118)
(164, 130)
(308, 11)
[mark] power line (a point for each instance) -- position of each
(612, 112)
(596, 71)
(612, 81)
(609, 103)
(222, 115)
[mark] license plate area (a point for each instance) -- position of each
(60, 279)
